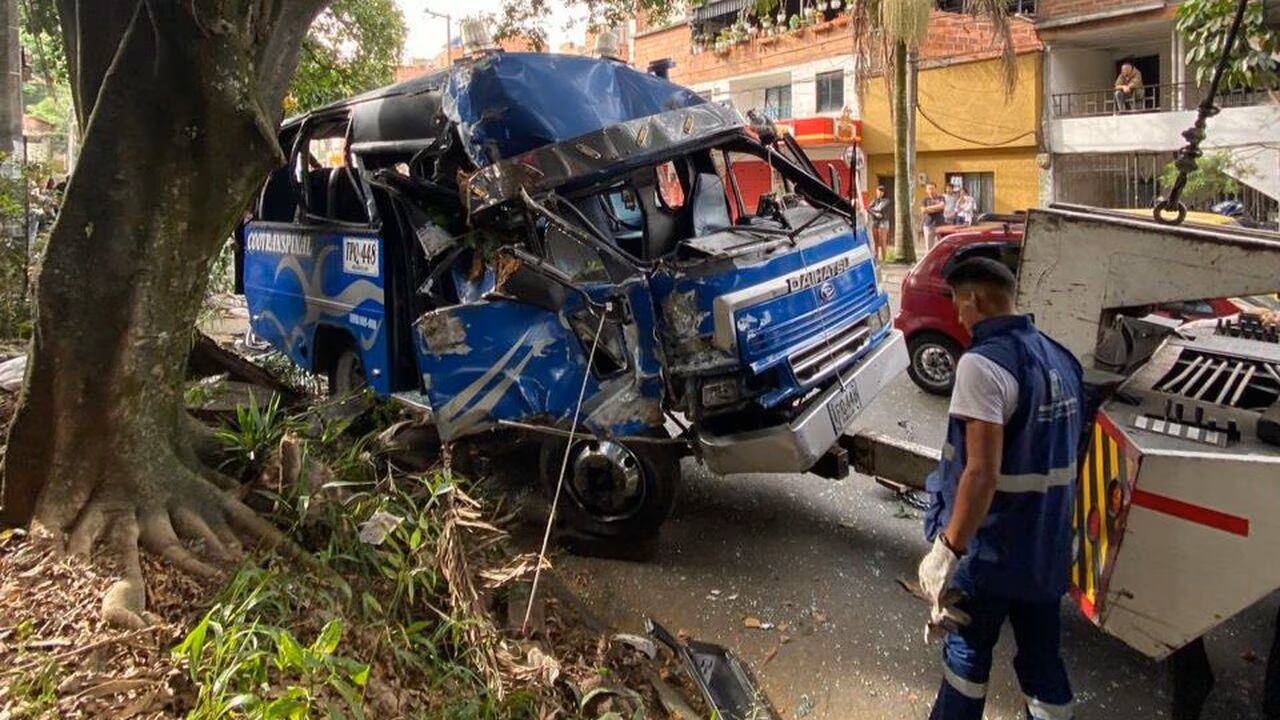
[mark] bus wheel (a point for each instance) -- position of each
(346, 373)
(622, 490)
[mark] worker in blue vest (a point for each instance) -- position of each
(1002, 501)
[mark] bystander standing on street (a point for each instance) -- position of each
(966, 207)
(881, 211)
(950, 196)
(932, 209)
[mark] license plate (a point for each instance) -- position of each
(844, 407)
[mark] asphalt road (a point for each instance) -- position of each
(818, 558)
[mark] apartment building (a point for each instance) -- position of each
(1112, 157)
(797, 65)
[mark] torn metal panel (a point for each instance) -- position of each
(624, 407)
(680, 310)
(443, 334)
(526, 363)
(724, 681)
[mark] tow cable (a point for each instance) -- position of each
(564, 465)
(1190, 155)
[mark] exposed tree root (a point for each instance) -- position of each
(186, 519)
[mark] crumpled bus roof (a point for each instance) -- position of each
(505, 104)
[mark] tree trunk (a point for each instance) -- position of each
(903, 155)
(176, 142)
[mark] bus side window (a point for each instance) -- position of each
(277, 202)
(330, 186)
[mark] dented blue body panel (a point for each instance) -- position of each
(508, 103)
(498, 359)
(299, 280)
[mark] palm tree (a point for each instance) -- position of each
(892, 30)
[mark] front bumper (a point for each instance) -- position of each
(796, 446)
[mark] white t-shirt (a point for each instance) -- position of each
(983, 390)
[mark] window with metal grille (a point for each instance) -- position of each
(777, 102)
(1132, 180)
(830, 91)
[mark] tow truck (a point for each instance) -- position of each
(1179, 483)
(1179, 475)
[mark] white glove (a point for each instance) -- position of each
(935, 573)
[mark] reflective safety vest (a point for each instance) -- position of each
(1023, 548)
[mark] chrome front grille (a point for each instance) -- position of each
(823, 357)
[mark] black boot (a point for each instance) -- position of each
(1192, 679)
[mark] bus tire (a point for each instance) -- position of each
(346, 373)
(615, 490)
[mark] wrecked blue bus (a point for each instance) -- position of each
(523, 240)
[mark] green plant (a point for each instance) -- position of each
(1255, 60)
(383, 552)
(766, 7)
(18, 253)
(253, 433)
(203, 391)
(242, 660)
(1215, 176)
(33, 693)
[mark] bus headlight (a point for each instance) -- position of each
(879, 320)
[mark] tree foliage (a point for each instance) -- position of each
(47, 95)
(1255, 60)
(42, 39)
(526, 18)
(353, 46)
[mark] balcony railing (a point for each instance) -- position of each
(1155, 98)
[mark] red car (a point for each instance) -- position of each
(935, 338)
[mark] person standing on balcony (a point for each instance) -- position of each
(932, 214)
(881, 211)
(1128, 88)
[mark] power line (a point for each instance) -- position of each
(983, 143)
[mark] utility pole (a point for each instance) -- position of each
(448, 31)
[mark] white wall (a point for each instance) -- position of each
(1079, 70)
(1084, 69)
(1245, 130)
